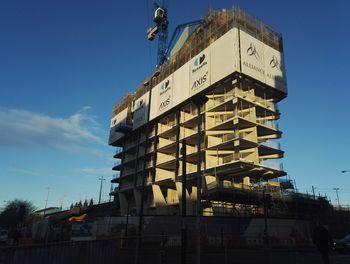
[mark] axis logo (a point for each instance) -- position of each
(251, 51)
(164, 87)
(164, 104)
(274, 63)
(199, 62)
(200, 81)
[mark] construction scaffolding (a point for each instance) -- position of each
(217, 23)
(228, 127)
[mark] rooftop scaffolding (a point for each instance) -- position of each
(217, 24)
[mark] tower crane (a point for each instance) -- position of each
(161, 30)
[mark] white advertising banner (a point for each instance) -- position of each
(120, 118)
(200, 72)
(214, 63)
(161, 97)
(181, 84)
(274, 68)
(252, 56)
(154, 102)
(165, 95)
(141, 108)
(170, 92)
(224, 56)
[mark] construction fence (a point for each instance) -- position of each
(219, 239)
(159, 249)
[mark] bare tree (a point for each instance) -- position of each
(16, 212)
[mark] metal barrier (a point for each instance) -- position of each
(154, 249)
(64, 252)
(222, 248)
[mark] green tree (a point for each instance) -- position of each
(16, 212)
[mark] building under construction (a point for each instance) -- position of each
(205, 120)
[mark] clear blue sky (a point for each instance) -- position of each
(63, 64)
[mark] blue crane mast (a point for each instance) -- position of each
(161, 30)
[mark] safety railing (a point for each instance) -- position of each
(272, 164)
(271, 144)
(118, 150)
(268, 123)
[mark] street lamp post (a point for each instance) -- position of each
(336, 190)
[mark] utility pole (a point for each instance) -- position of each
(101, 179)
(336, 190)
(313, 192)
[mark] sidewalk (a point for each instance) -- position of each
(308, 256)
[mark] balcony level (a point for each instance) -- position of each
(243, 167)
(118, 153)
(126, 186)
(233, 143)
(117, 165)
(270, 151)
(116, 139)
(114, 191)
(128, 172)
(192, 156)
(123, 128)
(227, 192)
(168, 164)
(168, 132)
(116, 178)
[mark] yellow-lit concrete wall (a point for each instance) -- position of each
(238, 120)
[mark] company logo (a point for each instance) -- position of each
(140, 104)
(200, 81)
(164, 87)
(251, 51)
(253, 67)
(274, 63)
(165, 103)
(199, 62)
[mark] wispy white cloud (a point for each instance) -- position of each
(97, 171)
(25, 172)
(75, 133)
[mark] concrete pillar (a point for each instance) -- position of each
(246, 182)
(137, 196)
(159, 200)
(123, 204)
